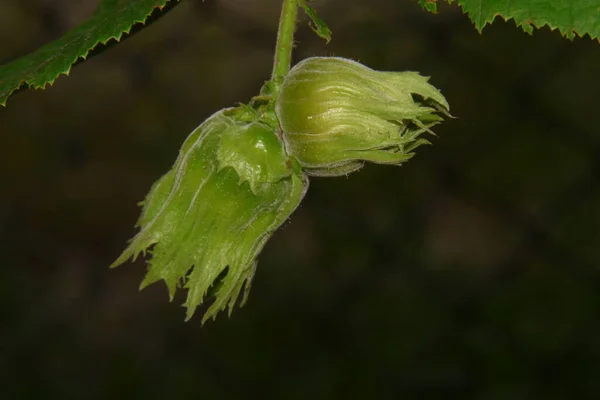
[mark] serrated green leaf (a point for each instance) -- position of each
(571, 17)
(317, 24)
(112, 19)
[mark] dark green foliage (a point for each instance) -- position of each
(111, 21)
(571, 17)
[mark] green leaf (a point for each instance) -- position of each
(571, 17)
(317, 24)
(112, 20)
(429, 5)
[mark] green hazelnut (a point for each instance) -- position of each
(208, 218)
(336, 114)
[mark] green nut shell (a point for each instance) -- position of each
(336, 114)
(208, 218)
(256, 153)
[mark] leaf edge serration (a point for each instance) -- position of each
(527, 24)
(33, 80)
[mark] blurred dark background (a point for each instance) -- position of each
(472, 272)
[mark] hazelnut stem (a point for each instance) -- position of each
(285, 41)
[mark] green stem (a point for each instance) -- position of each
(285, 40)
